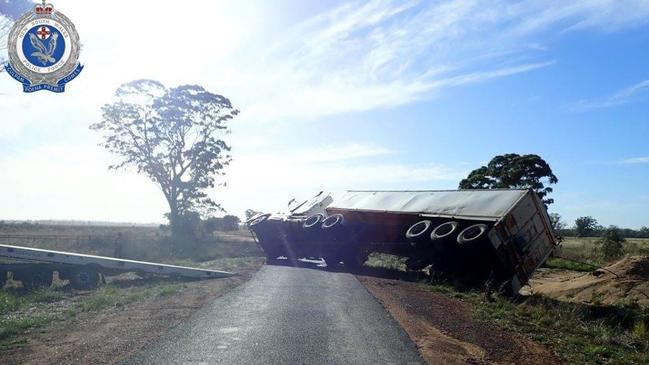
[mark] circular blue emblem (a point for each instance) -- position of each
(43, 48)
(43, 45)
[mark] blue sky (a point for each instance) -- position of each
(345, 95)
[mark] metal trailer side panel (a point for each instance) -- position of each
(527, 237)
(109, 263)
(489, 204)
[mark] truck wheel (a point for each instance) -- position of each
(418, 230)
(444, 230)
(332, 221)
(3, 279)
(471, 233)
(84, 278)
(312, 221)
(38, 278)
(258, 220)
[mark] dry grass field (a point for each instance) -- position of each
(26, 315)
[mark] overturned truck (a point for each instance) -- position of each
(473, 237)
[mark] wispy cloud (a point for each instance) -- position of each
(381, 54)
(356, 57)
(635, 160)
(631, 94)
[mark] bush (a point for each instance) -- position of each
(611, 242)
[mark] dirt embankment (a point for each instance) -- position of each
(445, 332)
(111, 335)
(623, 282)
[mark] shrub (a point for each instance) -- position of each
(611, 244)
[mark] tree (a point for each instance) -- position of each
(226, 223)
(643, 232)
(611, 242)
(585, 226)
(513, 171)
(173, 137)
(556, 222)
(231, 222)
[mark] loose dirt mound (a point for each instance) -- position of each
(625, 281)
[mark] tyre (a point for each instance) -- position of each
(471, 233)
(418, 230)
(84, 278)
(444, 230)
(313, 221)
(258, 220)
(332, 221)
(3, 279)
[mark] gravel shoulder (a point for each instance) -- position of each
(445, 331)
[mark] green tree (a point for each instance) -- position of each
(231, 222)
(174, 137)
(611, 243)
(585, 226)
(513, 171)
(644, 232)
(557, 223)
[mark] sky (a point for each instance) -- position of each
(338, 95)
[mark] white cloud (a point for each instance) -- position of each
(631, 94)
(267, 181)
(355, 57)
(381, 54)
(72, 182)
(635, 160)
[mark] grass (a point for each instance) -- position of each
(561, 263)
(110, 296)
(225, 251)
(167, 291)
(101, 299)
(11, 301)
(9, 329)
(386, 261)
(587, 249)
(135, 242)
(578, 334)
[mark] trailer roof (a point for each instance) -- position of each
(467, 203)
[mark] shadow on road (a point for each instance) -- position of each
(364, 271)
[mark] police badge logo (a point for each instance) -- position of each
(43, 48)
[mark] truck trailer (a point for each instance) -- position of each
(495, 237)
